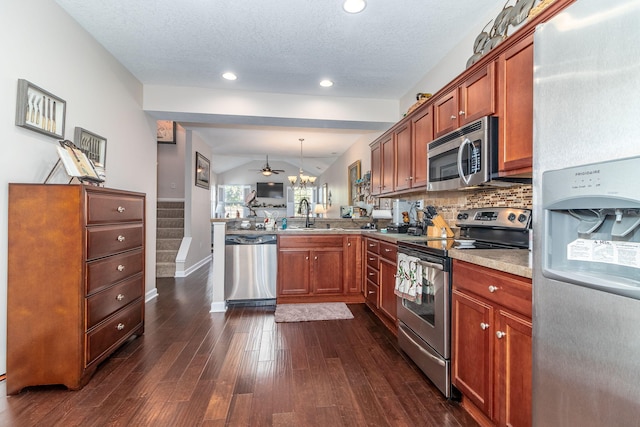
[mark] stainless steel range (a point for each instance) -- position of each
(424, 324)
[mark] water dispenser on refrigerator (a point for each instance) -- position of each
(592, 226)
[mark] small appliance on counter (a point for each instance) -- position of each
(400, 216)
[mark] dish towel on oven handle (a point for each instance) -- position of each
(409, 278)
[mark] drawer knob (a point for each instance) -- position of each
(372, 292)
(120, 297)
(349, 244)
(453, 117)
(461, 113)
(120, 326)
(121, 238)
(501, 334)
(121, 209)
(387, 250)
(492, 288)
(371, 245)
(372, 259)
(120, 267)
(484, 326)
(371, 274)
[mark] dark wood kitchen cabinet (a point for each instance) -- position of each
(491, 342)
(75, 280)
(380, 280)
(475, 97)
(515, 108)
(376, 169)
(383, 165)
(421, 135)
(318, 268)
(403, 171)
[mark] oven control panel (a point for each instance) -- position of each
(514, 218)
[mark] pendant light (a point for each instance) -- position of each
(301, 179)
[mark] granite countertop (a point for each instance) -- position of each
(514, 261)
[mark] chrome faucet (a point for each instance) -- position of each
(304, 201)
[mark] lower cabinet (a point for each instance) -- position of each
(319, 267)
(491, 340)
(380, 281)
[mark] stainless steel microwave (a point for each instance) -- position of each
(466, 157)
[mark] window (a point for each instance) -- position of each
(295, 196)
(231, 200)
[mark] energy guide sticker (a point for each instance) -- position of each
(620, 253)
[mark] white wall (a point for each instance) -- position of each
(42, 44)
(197, 206)
(171, 177)
(336, 175)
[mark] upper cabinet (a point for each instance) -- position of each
(500, 84)
(515, 109)
(475, 97)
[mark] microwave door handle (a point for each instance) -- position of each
(465, 178)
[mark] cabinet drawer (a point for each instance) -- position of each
(114, 331)
(372, 274)
(108, 240)
(510, 291)
(373, 246)
(107, 208)
(103, 304)
(104, 272)
(372, 293)
(311, 242)
(372, 260)
(389, 251)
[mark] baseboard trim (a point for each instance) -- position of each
(218, 307)
(188, 271)
(150, 295)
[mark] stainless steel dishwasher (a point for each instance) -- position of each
(250, 269)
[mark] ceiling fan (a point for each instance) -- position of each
(266, 169)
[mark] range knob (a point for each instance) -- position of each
(522, 218)
(463, 215)
(511, 217)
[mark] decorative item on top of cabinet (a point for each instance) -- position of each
(491, 343)
(75, 280)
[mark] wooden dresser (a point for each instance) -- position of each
(75, 280)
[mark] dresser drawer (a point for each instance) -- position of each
(108, 208)
(114, 331)
(389, 251)
(103, 304)
(510, 291)
(105, 272)
(373, 245)
(108, 240)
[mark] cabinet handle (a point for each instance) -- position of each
(120, 297)
(492, 288)
(461, 113)
(371, 274)
(307, 258)
(484, 326)
(315, 257)
(349, 244)
(387, 250)
(120, 326)
(121, 238)
(453, 117)
(372, 292)
(121, 267)
(120, 209)
(372, 259)
(371, 245)
(501, 334)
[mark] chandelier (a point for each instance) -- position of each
(301, 179)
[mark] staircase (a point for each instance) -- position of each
(169, 234)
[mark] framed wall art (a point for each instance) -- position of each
(92, 145)
(166, 131)
(40, 110)
(202, 171)
(354, 176)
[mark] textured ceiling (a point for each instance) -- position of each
(280, 46)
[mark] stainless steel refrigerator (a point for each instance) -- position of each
(586, 255)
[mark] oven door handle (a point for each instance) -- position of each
(428, 264)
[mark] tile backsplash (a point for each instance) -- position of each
(449, 203)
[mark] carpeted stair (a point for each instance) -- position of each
(169, 234)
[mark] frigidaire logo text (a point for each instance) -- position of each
(591, 172)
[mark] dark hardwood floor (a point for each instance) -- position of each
(240, 368)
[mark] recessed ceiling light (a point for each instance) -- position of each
(229, 76)
(326, 83)
(354, 6)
